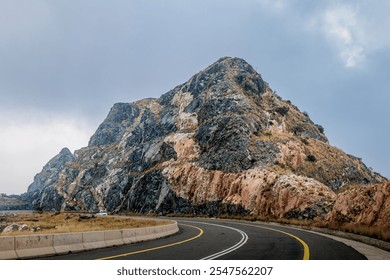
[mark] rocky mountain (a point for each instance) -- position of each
(221, 143)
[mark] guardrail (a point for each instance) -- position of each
(29, 246)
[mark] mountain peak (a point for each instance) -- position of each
(50, 171)
(233, 62)
(65, 152)
(226, 76)
(222, 142)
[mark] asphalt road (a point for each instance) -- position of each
(227, 240)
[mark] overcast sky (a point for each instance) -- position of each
(63, 64)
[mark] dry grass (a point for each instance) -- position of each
(381, 233)
(374, 232)
(70, 222)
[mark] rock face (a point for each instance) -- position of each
(223, 142)
(367, 205)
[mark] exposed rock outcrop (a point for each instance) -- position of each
(366, 205)
(263, 193)
(223, 142)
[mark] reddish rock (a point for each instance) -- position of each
(363, 204)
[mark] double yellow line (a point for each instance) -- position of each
(157, 248)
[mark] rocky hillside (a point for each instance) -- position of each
(12, 202)
(222, 142)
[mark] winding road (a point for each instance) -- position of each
(227, 240)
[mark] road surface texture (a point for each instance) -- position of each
(227, 240)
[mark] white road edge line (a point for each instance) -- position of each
(241, 243)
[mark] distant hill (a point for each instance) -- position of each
(13, 202)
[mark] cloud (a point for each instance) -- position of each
(19, 162)
(356, 31)
(353, 56)
(340, 25)
(339, 22)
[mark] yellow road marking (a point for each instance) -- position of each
(159, 247)
(306, 250)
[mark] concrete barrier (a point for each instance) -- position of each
(149, 233)
(143, 234)
(28, 246)
(169, 230)
(7, 248)
(94, 240)
(113, 238)
(128, 236)
(68, 242)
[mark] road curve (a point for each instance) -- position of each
(227, 240)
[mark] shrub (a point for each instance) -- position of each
(298, 129)
(311, 158)
(282, 110)
(320, 128)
